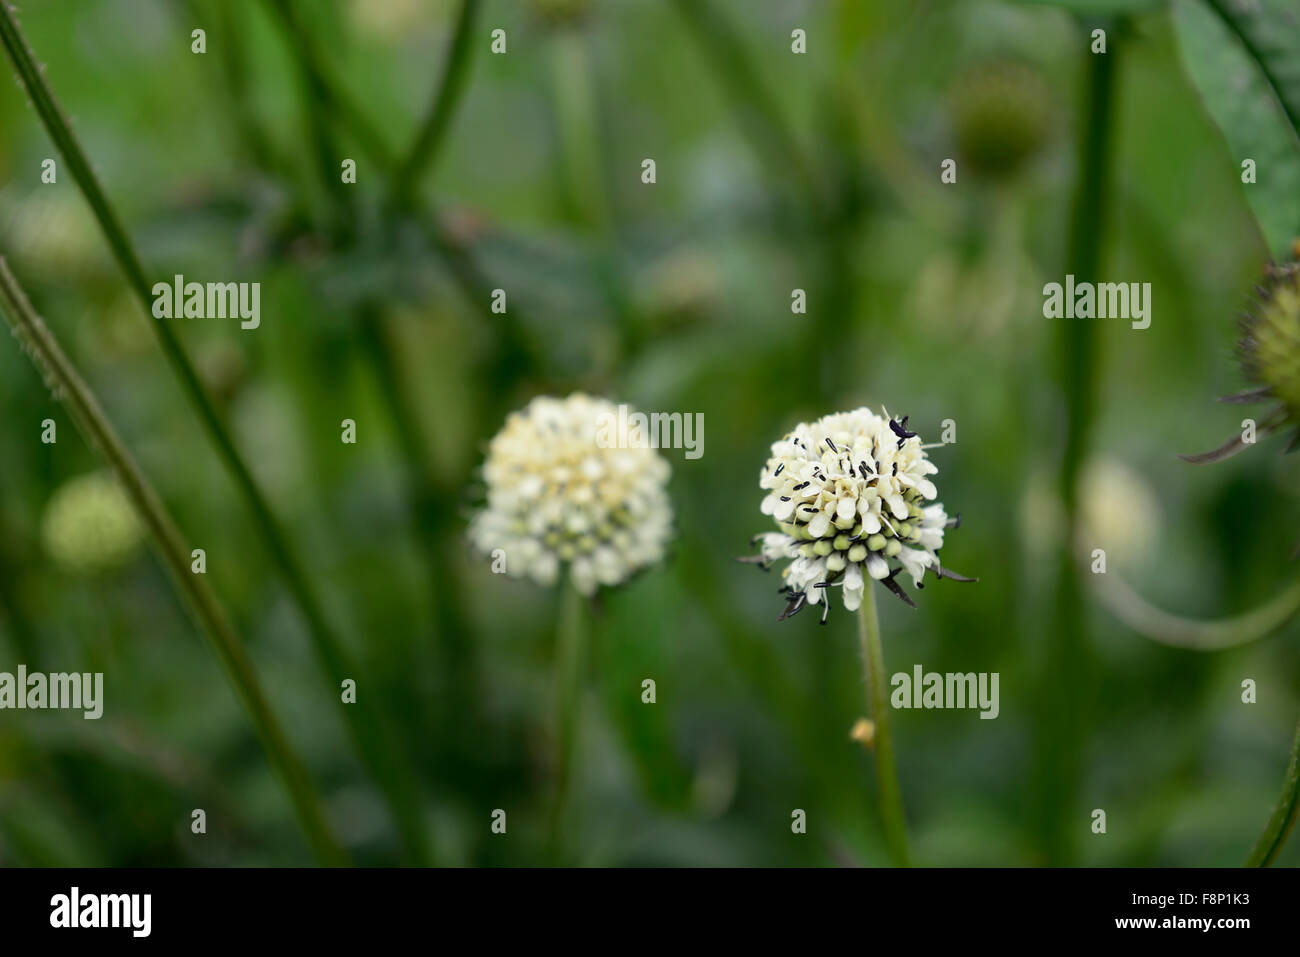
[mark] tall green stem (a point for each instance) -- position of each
(363, 722)
(69, 388)
(1067, 685)
(570, 655)
(891, 795)
(1284, 815)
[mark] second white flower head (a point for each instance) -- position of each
(560, 490)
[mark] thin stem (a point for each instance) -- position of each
(451, 85)
(364, 724)
(1151, 622)
(1284, 815)
(570, 655)
(334, 99)
(574, 97)
(69, 388)
(891, 795)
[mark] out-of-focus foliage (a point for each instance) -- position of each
(922, 296)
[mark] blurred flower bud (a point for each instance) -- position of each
(54, 232)
(389, 20)
(1000, 117)
(89, 525)
(863, 732)
(1120, 511)
(223, 369)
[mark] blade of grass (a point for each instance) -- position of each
(69, 388)
(366, 730)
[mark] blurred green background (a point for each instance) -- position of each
(775, 171)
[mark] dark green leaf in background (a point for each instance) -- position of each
(1245, 60)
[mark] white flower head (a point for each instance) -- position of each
(852, 496)
(570, 483)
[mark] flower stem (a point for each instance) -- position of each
(1284, 815)
(364, 722)
(1195, 633)
(451, 85)
(891, 796)
(76, 396)
(570, 654)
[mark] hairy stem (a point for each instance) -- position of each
(69, 388)
(337, 664)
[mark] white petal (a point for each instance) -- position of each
(877, 567)
(853, 587)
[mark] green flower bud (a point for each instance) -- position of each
(1001, 117)
(89, 525)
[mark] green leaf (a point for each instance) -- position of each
(1244, 58)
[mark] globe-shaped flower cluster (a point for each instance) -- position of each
(567, 485)
(851, 495)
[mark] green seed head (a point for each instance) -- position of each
(1270, 343)
(1001, 117)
